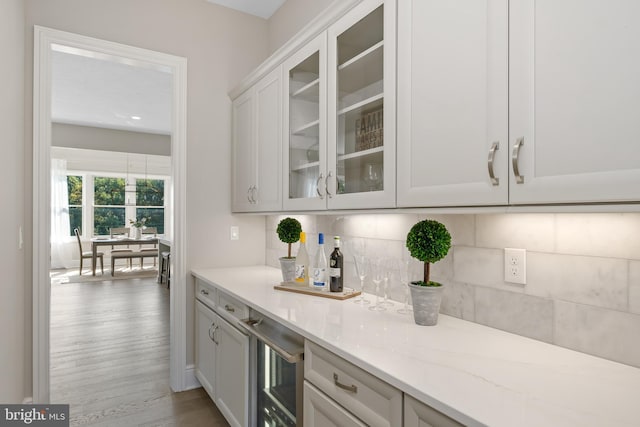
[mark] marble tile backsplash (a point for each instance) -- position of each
(583, 271)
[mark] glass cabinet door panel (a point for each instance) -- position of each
(304, 128)
(360, 100)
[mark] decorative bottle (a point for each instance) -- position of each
(335, 267)
(320, 266)
(302, 261)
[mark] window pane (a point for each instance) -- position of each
(105, 218)
(149, 192)
(74, 186)
(75, 219)
(108, 192)
(155, 217)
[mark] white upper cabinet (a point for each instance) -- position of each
(361, 108)
(257, 139)
(452, 103)
(339, 114)
(574, 101)
(305, 127)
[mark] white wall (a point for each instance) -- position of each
(292, 16)
(221, 46)
(15, 362)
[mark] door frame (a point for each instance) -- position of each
(44, 38)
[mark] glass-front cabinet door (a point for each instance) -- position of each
(305, 118)
(361, 105)
(339, 143)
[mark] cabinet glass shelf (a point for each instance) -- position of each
(308, 92)
(309, 129)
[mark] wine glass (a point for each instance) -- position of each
(362, 269)
(404, 280)
(388, 266)
(373, 175)
(377, 276)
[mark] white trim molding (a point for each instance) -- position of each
(45, 39)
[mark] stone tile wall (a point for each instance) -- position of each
(583, 271)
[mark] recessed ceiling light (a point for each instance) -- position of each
(136, 117)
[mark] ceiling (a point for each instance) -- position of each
(262, 8)
(92, 89)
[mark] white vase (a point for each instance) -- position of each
(137, 233)
(426, 303)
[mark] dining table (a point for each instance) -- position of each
(96, 242)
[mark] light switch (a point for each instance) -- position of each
(235, 232)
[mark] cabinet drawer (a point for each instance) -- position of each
(367, 397)
(231, 308)
(417, 414)
(206, 293)
(319, 410)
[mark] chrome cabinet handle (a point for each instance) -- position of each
(204, 292)
(249, 195)
(212, 333)
(254, 192)
(492, 156)
(318, 187)
(514, 160)
(350, 388)
(229, 308)
(326, 184)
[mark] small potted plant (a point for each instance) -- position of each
(289, 232)
(428, 241)
(138, 225)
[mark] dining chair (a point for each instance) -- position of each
(87, 255)
(124, 232)
(153, 232)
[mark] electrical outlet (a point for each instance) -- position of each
(515, 266)
(235, 232)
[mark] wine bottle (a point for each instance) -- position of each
(320, 266)
(335, 267)
(302, 261)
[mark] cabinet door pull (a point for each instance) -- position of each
(229, 308)
(204, 292)
(321, 195)
(492, 156)
(351, 388)
(212, 333)
(326, 184)
(514, 160)
(249, 195)
(254, 193)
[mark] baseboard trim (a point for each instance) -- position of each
(190, 380)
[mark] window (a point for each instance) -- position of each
(150, 202)
(108, 204)
(74, 187)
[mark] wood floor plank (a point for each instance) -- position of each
(110, 357)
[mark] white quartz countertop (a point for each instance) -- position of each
(475, 374)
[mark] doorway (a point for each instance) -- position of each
(45, 42)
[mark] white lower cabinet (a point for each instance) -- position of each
(222, 360)
(362, 395)
(417, 414)
(205, 347)
(321, 411)
(232, 361)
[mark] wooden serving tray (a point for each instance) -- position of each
(302, 289)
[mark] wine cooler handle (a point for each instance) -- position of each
(326, 184)
(514, 160)
(492, 156)
(321, 195)
(350, 388)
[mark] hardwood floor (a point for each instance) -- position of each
(110, 357)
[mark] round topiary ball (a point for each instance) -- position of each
(289, 230)
(428, 241)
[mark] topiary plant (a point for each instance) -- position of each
(289, 232)
(428, 241)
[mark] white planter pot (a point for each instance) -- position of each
(288, 267)
(137, 233)
(426, 303)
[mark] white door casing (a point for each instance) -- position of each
(44, 39)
